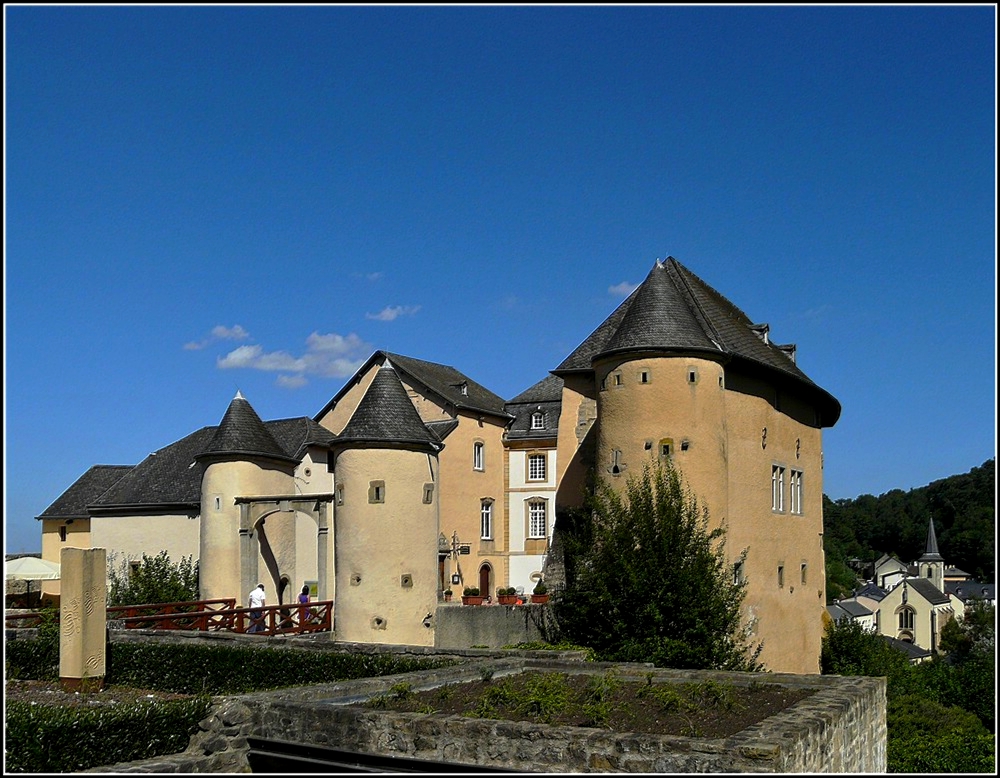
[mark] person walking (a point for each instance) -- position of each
(305, 614)
(256, 600)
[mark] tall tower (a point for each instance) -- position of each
(931, 563)
(677, 371)
(386, 520)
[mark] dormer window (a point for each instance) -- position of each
(538, 420)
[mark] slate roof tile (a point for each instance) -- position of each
(386, 415)
(85, 490)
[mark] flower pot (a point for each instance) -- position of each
(540, 599)
(468, 599)
(507, 599)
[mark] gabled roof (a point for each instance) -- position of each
(447, 383)
(871, 591)
(72, 504)
(968, 590)
(549, 389)
(912, 650)
(386, 415)
(241, 433)
(675, 311)
(927, 590)
(545, 397)
(170, 478)
(854, 608)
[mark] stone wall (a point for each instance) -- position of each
(839, 728)
(492, 626)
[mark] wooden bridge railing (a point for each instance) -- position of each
(210, 616)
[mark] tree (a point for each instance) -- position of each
(647, 581)
(850, 649)
(154, 579)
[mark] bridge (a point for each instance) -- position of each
(204, 616)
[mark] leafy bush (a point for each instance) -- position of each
(648, 580)
(471, 591)
(43, 738)
(154, 579)
(36, 658)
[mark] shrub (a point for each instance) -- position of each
(155, 579)
(225, 669)
(43, 738)
(471, 591)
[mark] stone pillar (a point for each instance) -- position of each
(83, 618)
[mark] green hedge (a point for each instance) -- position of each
(239, 670)
(46, 738)
(211, 669)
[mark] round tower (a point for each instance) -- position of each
(387, 521)
(242, 459)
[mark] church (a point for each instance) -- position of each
(415, 479)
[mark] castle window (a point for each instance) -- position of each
(428, 494)
(536, 467)
(486, 519)
(802, 572)
(618, 379)
(685, 444)
(538, 420)
(537, 524)
(781, 576)
(692, 375)
(616, 462)
(666, 447)
(62, 533)
(738, 572)
(376, 491)
(906, 618)
(795, 490)
(477, 455)
(644, 377)
(777, 488)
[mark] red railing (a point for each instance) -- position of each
(210, 616)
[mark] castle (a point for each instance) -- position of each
(414, 478)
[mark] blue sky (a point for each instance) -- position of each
(206, 199)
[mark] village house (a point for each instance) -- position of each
(414, 478)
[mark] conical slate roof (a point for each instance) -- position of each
(386, 415)
(675, 311)
(242, 433)
(931, 553)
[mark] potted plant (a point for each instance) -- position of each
(540, 594)
(447, 595)
(471, 596)
(507, 595)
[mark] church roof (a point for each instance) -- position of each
(675, 311)
(927, 590)
(386, 415)
(241, 433)
(931, 553)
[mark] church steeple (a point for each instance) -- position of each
(931, 563)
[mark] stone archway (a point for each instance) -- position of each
(253, 512)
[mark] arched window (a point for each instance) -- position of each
(486, 518)
(906, 618)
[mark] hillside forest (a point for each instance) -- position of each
(858, 531)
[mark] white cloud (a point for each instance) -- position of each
(393, 312)
(329, 356)
(624, 289)
(219, 332)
